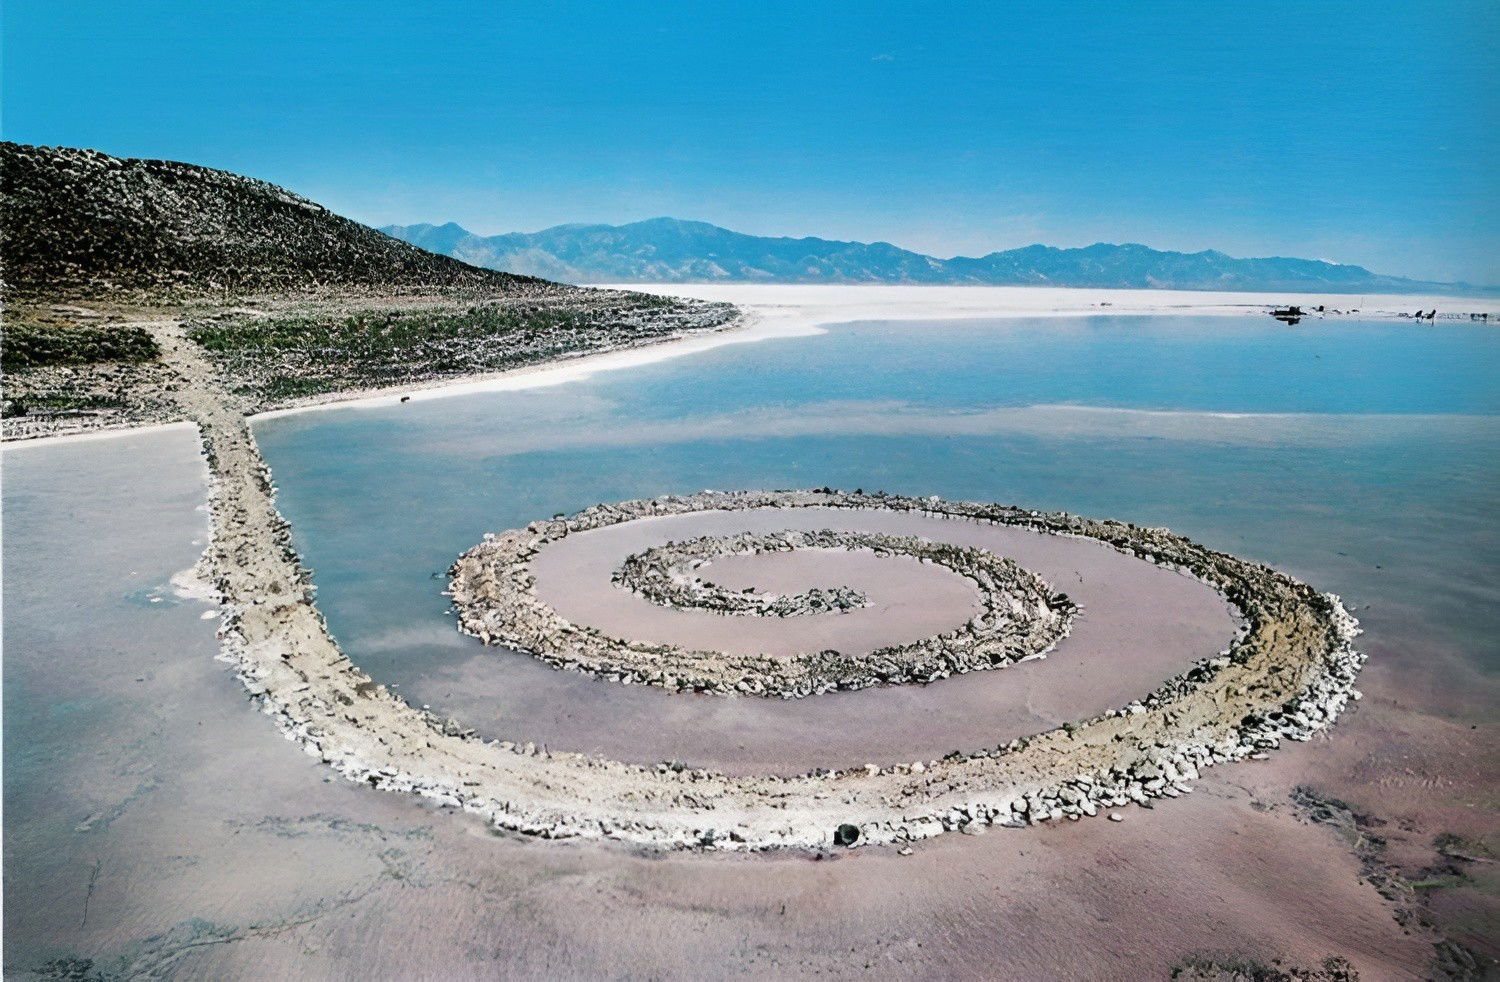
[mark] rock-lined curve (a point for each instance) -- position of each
(665, 575)
(493, 590)
(1290, 674)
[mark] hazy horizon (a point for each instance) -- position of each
(975, 254)
(1363, 135)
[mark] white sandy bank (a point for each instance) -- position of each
(88, 436)
(820, 304)
(790, 310)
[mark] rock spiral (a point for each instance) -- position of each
(1287, 675)
(494, 593)
(665, 575)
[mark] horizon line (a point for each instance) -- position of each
(925, 255)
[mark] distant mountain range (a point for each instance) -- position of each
(668, 250)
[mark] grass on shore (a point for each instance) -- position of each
(59, 372)
(26, 345)
(283, 358)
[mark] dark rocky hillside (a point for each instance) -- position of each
(83, 224)
(116, 271)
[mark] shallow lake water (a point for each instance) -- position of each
(1139, 625)
(1361, 457)
(157, 824)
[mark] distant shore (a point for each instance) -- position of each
(773, 311)
(795, 310)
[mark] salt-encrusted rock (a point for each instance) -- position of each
(846, 834)
(493, 592)
(1295, 651)
(664, 575)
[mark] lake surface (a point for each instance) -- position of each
(1140, 624)
(1361, 457)
(158, 824)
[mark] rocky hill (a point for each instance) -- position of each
(82, 224)
(118, 273)
(666, 250)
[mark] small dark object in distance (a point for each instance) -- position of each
(846, 834)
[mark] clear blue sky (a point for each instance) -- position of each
(1364, 132)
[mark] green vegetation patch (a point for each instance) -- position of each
(60, 403)
(34, 345)
(284, 358)
(399, 334)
